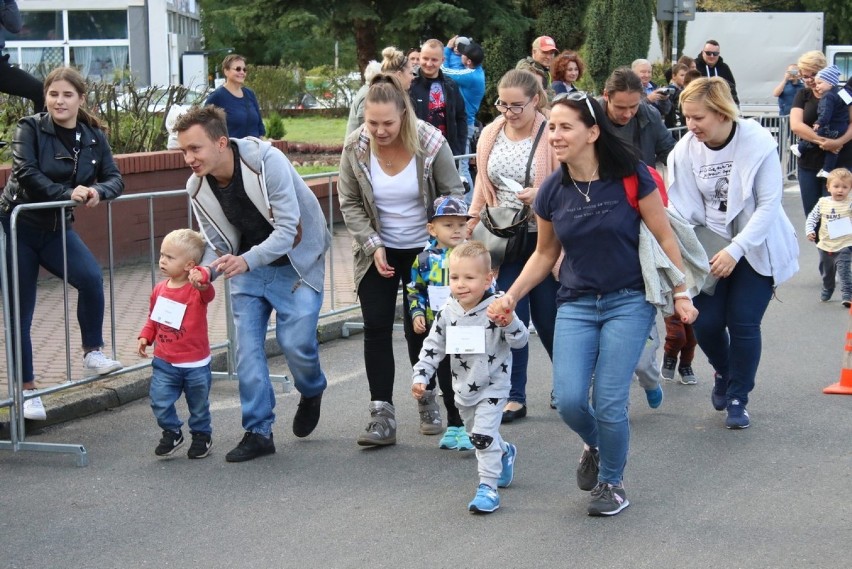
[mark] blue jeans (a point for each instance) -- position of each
(601, 336)
(41, 248)
(540, 304)
(811, 188)
(728, 327)
(168, 382)
(254, 295)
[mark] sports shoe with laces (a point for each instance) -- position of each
(430, 413)
(170, 442)
(654, 397)
(507, 474)
(588, 469)
(667, 370)
(486, 500)
(737, 415)
(607, 500)
(464, 440)
(252, 446)
(687, 376)
(450, 440)
(719, 395)
(201, 445)
(97, 362)
(307, 415)
(34, 408)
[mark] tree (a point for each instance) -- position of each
(838, 14)
(560, 19)
(622, 34)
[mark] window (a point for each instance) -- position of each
(97, 25)
(39, 26)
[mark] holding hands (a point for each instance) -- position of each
(502, 310)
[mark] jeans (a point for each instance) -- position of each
(540, 304)
(378, 296)
(253, 297)
(811, 188)
(600, 335)
(728, 327)
(37, 247)
(168, 382)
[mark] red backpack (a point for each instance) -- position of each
(631, 188)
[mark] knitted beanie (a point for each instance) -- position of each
(830, 75)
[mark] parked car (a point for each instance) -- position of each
(157, 100)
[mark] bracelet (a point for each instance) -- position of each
(682, 295)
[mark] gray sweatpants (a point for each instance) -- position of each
(484, 419)
(648, 368)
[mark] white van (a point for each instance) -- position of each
(841, 56)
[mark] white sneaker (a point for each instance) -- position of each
(822, 173)
(795, 150)
(99, 363)
(34, 408)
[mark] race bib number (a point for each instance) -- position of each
(168, 312)
(465, 339)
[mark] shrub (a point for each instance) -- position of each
(275, 127)
(276, 87)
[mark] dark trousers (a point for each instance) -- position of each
(16, 81)
(680, 340)
(832, 265)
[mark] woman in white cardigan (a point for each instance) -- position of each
(728, 183)
(515, 147)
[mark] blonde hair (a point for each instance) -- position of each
(393, 60)
(839, 174)
(528, 82)
(190, 242)
(472, 250)
(386, 88)
(812, 61)
(714, 93)
(433, 43)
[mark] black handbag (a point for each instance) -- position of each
(505, 230)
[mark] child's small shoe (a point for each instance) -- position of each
(822, 173)
(655, 397)
(794, 150)
(450, 440)
(463, 441)
(508, 463)
(825, 295)
(486, 500)
(687, 376)
(847, 303)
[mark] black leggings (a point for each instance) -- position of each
(378, 309)
(17, 82)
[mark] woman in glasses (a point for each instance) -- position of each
(59, 155)
(241, 109)
(803, 115)
(392, 166)
(513, 152)
(603, 319)
(566, 70)
(728, 183)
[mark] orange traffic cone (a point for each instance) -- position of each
(844, 386)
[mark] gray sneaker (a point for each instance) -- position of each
(607, 500)
(430, 413)
(667, 370)
(687, 376)
(588, 469)
(381, 430)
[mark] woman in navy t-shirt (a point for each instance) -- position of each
(241, 108)
(602, 319)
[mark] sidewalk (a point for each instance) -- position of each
(132, 288)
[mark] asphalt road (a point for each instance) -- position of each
(775, 495)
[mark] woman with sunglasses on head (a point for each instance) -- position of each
(239, 102)
(603, 318)
(803, 115)
(728, 183)
(392, 168)
(59, 155)
(514, 147)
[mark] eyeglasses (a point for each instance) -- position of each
(577, 96)
(806, 77)
(238, 69)
(514, 109)
(711, 53)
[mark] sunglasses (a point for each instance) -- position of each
(577, 96)
(238, 69)
(711, 53)
(514, 109)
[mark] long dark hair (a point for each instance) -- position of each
(76, 80)
(616, 158)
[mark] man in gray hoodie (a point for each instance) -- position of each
(266, 232)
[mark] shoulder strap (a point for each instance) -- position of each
(532, 153)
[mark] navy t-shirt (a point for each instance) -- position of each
(600, 237)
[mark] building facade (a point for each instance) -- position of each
(107, 40)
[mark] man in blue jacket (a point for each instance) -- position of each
(471, 81)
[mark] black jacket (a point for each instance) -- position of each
(42, 169)
(721, 69)
(652, 141)
(456, 115)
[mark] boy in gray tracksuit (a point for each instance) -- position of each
(481, 365)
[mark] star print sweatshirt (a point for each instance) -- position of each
(475, 376)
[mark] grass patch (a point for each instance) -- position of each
(308, 170)
(317, 130)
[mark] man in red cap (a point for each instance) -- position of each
(543, 52)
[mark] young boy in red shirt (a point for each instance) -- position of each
(178, 323)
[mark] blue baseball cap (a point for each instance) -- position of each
(446, 206)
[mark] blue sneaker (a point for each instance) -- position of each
(655, 397)
(737, 415)
(486, 501)
(508, 460)
(450, 439)
(463, 440)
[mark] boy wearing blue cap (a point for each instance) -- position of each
(428, 291)
(833, 115)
